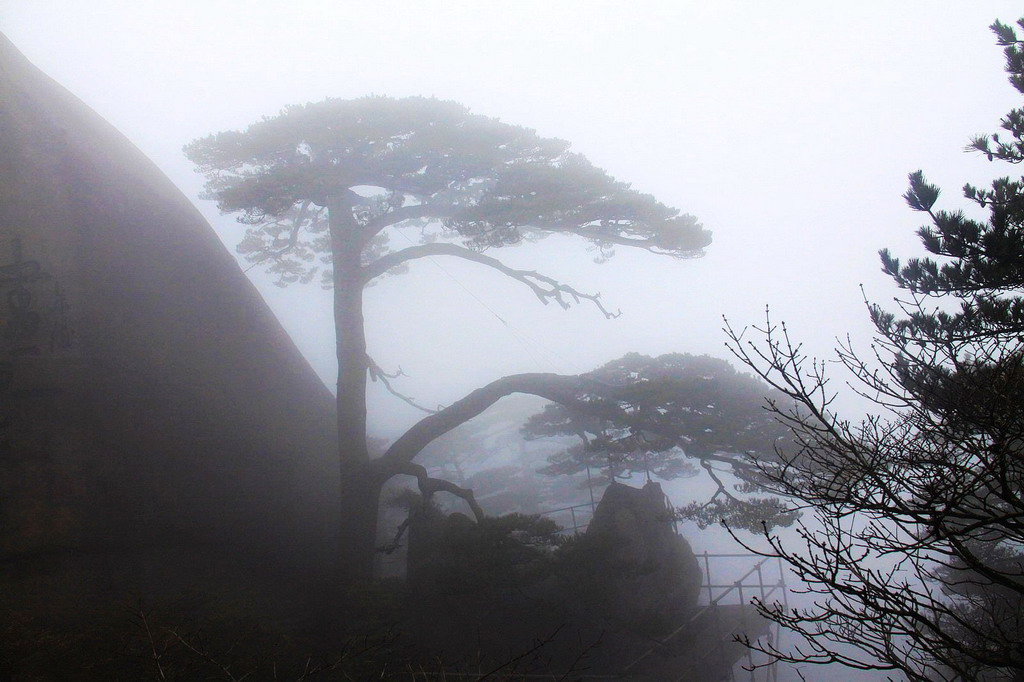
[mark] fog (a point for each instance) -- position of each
(788, 130)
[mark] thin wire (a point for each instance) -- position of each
(522, 337)
(528, 342)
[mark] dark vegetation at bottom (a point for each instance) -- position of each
(381, 636)
(499, 600)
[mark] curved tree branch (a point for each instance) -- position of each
(545, 288)
(555, 387)
(428, 486)
(584, 395)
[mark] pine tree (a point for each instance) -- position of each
(324, 186)
(916, 547)
(690, 415)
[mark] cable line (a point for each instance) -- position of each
(530, 344)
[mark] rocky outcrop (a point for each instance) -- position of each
(150, 402)
(495, 587)
(648, 573)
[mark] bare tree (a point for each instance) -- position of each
(914, 550)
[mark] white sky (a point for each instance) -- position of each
(788, 128)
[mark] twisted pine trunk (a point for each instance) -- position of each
(360, 484)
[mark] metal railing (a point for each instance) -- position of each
(737, 589)
(577, 526)
(751, 584)
(738, 592)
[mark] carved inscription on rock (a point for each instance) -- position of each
(33, 322)
(21, 319)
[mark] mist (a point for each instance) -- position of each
(788, 132)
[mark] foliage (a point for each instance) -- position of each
(498, 553)
(683, 409)
(169, 641)
(436, 167)
(335, 180)
(916, 553)
(750, 513)
(527, 559)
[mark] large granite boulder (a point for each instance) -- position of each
(647, 573)
(155, 418)
(494, 588)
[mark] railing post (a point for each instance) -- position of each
(785, 604)
(707, 576)
(590, 487)
(743, 624)
(782, 584)
(772, 674)
(760, 580)
(575, 527)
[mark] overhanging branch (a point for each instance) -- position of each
(428, 486)
(555, 387)
(581, 394)
(545, 288)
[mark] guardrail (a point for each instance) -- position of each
(764, 591)
(577, 527)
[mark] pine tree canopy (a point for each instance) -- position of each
(980, 264)
(418, 161)
(682, 408)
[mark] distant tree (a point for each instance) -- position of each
(672, 416)
(688, 414)
(916, 549)
(326, 185)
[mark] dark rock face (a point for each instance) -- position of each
(148, 397)
(649, 572)
(496, 587)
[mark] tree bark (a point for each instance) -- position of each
(360, 502)
(360, 487)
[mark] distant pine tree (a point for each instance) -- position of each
(688, 414)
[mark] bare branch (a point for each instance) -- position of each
(152, 645)
(428, 486)
(395, 543)
(378, 374)
(545, 288)
(202, 653)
